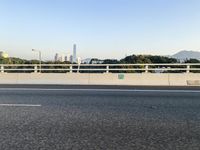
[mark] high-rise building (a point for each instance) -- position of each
(60, 57)
(67, 57)
(57, 57)
(71, 58)
(74, 53)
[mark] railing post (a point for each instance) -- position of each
(78, 68)
(107, 69)
(188, 69)
(35, 69)
(2, 69)
(146, 69)
(71, 69)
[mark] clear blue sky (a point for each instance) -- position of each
(100, 28)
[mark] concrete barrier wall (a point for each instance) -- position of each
(183, 79)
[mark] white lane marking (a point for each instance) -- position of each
(100, 90)
(19, 105)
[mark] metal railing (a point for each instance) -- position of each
(100, 68)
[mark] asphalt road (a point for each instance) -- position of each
(99, 117)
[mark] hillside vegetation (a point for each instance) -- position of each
(133, 59)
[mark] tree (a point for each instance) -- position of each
(192, 61)
(110, 61)
(140, 59)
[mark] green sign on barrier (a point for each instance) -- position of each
(121, 76)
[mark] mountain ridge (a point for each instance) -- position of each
(187, 54)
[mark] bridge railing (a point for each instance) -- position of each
(100, 68)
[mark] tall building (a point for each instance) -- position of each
(71, 58)
(60, 57)
(57, 57)
(67, 57)
(74, 53)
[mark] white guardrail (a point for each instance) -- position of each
(101, 68)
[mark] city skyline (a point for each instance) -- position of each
(103, 29)
(67, 56)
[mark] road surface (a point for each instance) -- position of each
(34, 117)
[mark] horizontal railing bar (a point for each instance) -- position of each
(18, 69)
(192, 64)
(150, 69)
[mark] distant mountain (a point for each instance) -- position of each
(184, 55)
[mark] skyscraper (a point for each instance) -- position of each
(67, 57)
(74, 53)
(57, 57)
(71, 59)
(60, 57)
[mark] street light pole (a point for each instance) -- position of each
(40, 58)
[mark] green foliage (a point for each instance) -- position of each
(192, 61)
(133, 59)
(4, 61)
(111, 61)
(162, 59)
(146, 59)
(14, 60)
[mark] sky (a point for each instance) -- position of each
(100, 28)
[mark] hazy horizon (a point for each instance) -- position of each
(35, 56)
(101, 29)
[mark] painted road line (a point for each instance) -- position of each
(19, 105)
(100, 90)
